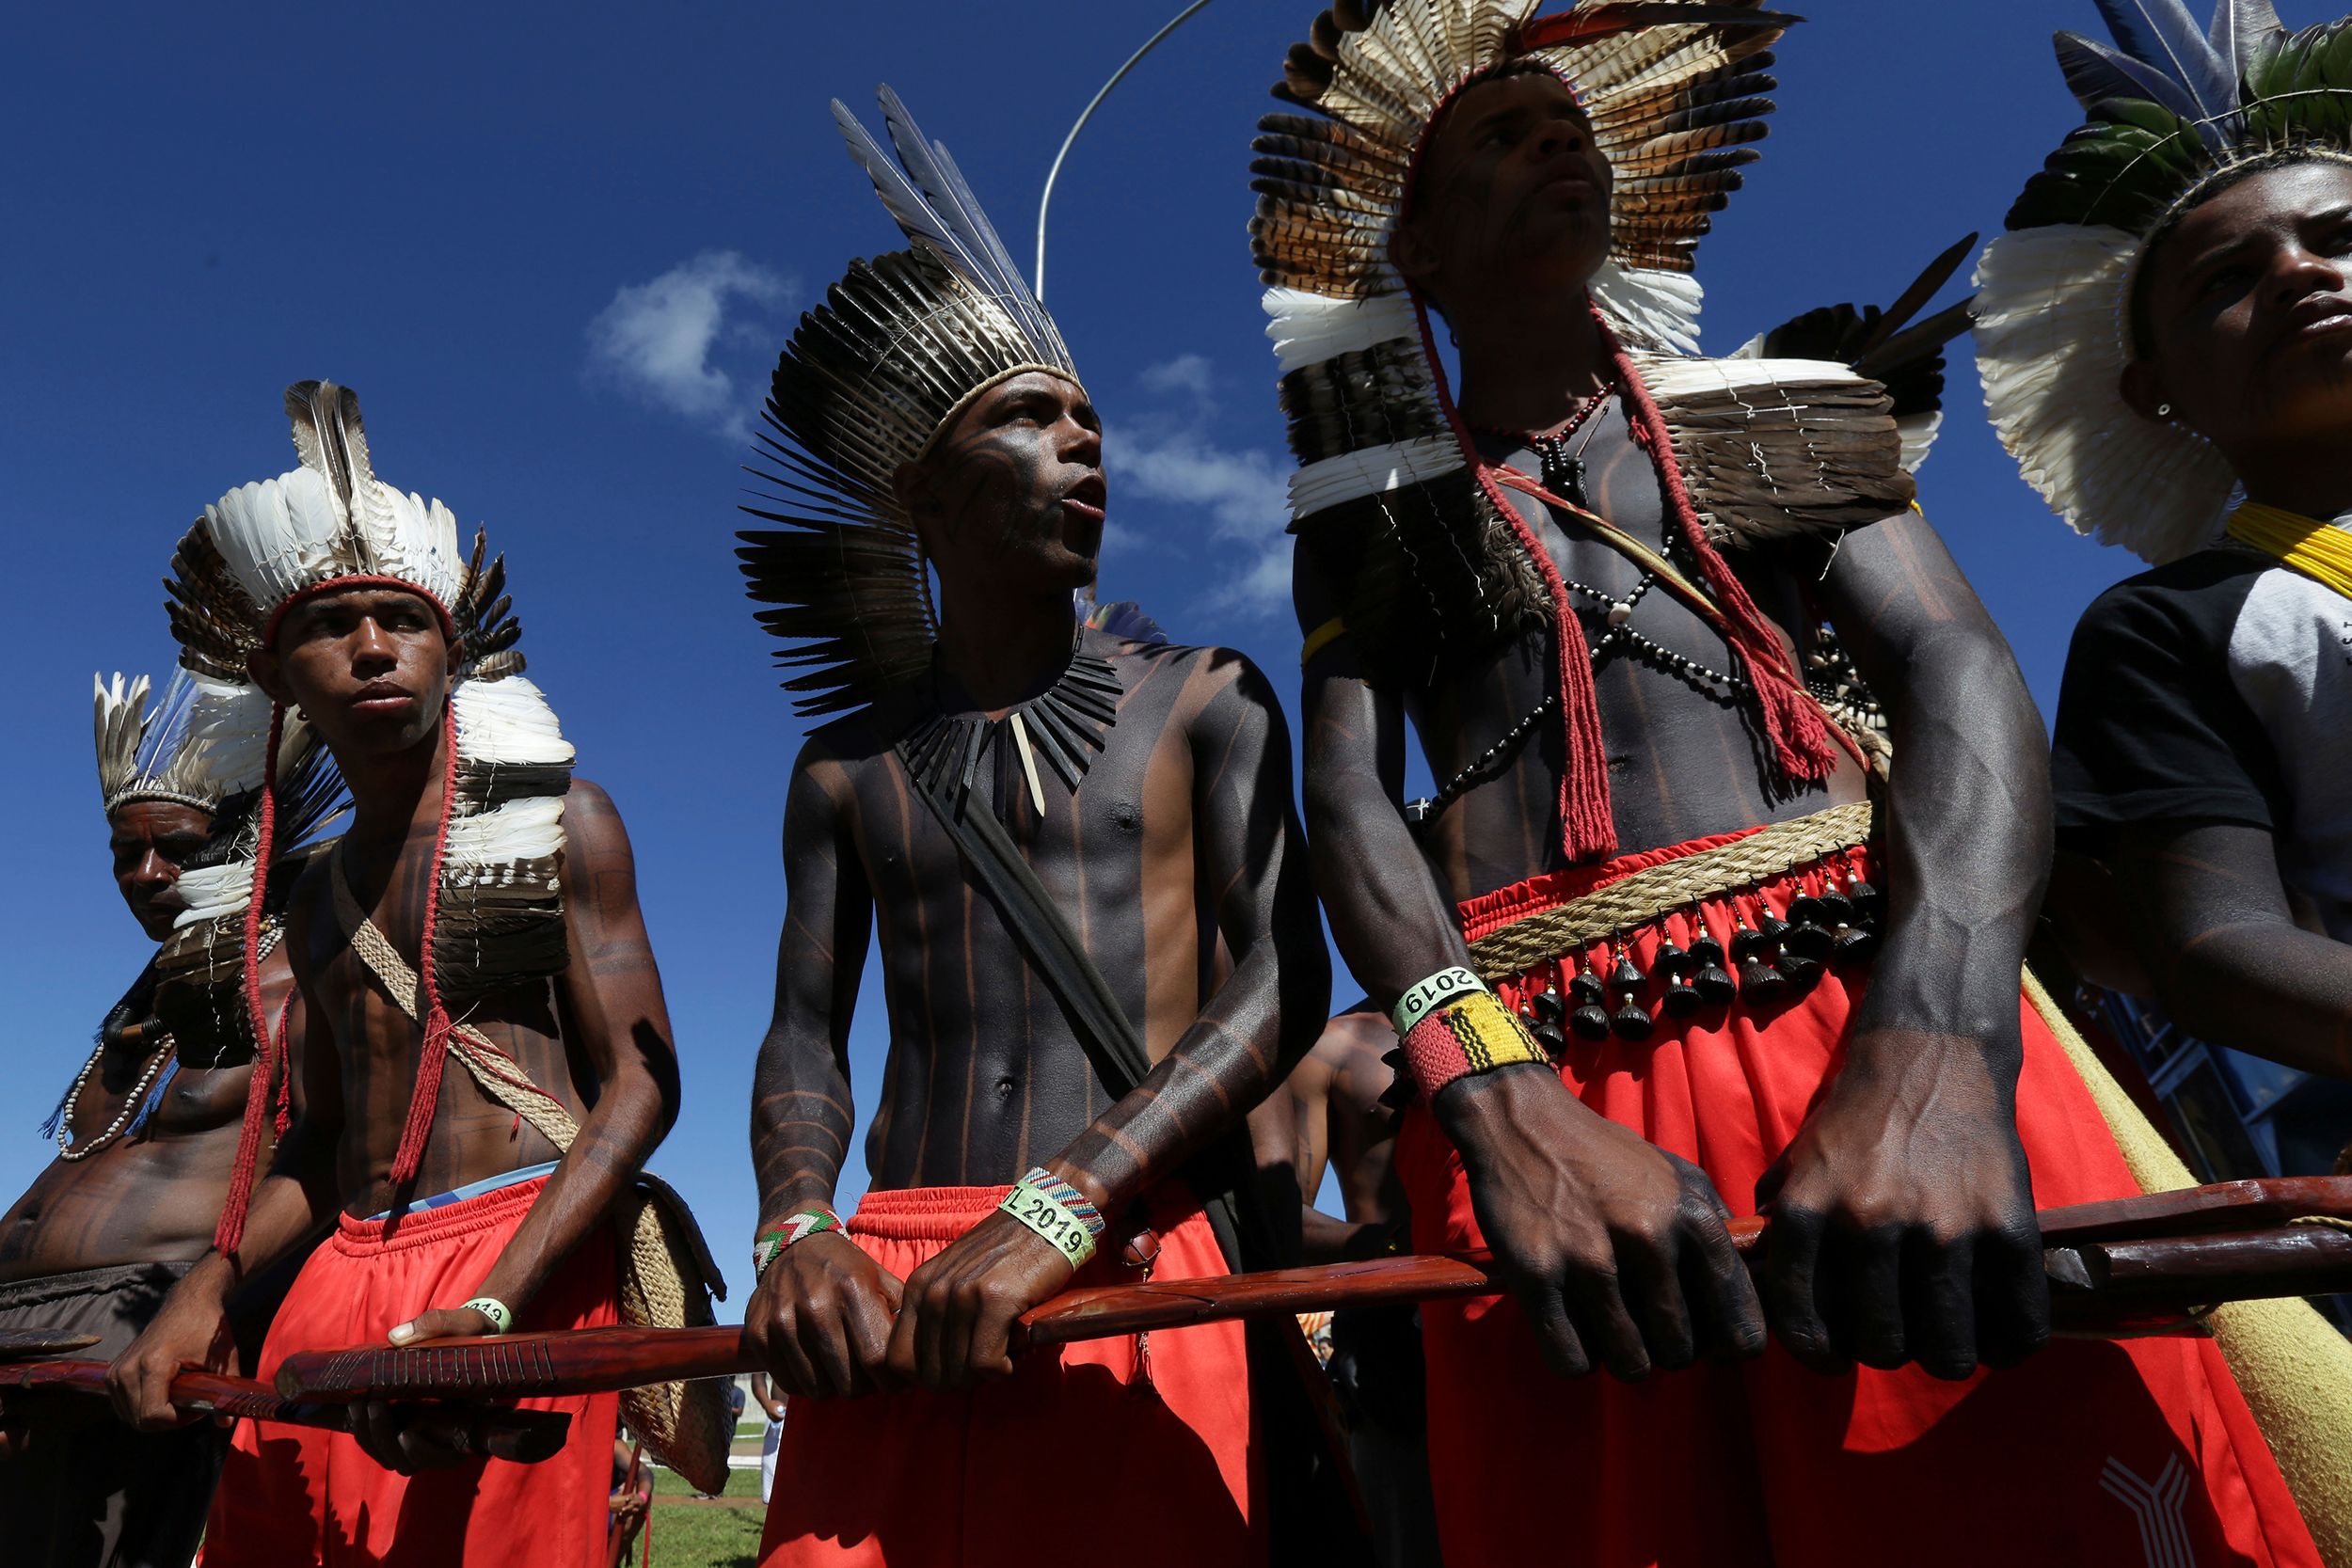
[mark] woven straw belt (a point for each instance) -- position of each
(1643, 897)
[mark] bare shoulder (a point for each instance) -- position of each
(1214, 680)
(593, 834)
(835, 753)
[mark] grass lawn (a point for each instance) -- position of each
(689, 1534)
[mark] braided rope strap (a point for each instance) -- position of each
(1643, 897)
(687, 1425)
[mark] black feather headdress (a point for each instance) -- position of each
(900, 347)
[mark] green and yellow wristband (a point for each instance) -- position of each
(1057, 1212)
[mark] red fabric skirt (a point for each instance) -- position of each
(295, 1498)
(2122, 1453)
(1148, 1462)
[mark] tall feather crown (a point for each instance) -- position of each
(1675, 92)
(903, 345)
(206, 742)
(2172, 105)
(207, 747)
(495, 916)
(1384, 494)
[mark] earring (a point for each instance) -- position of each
(2164, 411)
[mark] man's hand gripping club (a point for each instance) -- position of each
(1616, 1249)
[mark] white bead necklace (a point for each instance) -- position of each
(130, 1105)
(137, 1096)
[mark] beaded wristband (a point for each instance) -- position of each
(1057, 1212)
(769, 1244)
(500, 1315)
(1420, 1001)
(1471, 1033)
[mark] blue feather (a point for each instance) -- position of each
(927, 194)
(154, 1098)
(2240, 30)
(2162, 34)
(2100, 73)
(56, 1117)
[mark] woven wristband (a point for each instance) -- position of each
(1420, 1001)
(769, 1244)
(1473, 1034)
(500, 1315)
(1057, 1212)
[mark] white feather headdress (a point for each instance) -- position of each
(2170, 106)
(496, 918)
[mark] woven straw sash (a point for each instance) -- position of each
(665, 1269)
(1636, 900)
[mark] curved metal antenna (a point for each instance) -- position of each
(1051, 175)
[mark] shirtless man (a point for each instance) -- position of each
(1640, 799)
(1145, 787)
(403, 660)
(147, 1136)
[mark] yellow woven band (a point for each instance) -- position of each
(1044, 1214)
(1473, 1034)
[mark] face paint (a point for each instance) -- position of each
(1014, 494)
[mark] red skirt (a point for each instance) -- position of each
(1151, 1459)
(2119, 1453)
(295, 1498)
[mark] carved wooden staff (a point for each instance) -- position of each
(2130, 1266)
(526, 1436)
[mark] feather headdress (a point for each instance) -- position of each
(1391, 497)
(207, 748)
(493, 915)
(901, 347)
(2171, 107)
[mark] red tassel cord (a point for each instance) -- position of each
(1587, 829)
(436, 1022)
(285, 1068)
(230, 1231)
(1800, 735)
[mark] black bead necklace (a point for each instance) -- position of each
(1065, 724)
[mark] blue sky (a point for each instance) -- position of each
(556, 250)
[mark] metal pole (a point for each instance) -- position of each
(1051, 175)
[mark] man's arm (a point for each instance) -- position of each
(615, 1020)
(1904, 1202)
(820, 1315)
(2231, 965)
(296, 1199)
(1596, 1229)
(959, 1306)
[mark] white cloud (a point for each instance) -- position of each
(1186, 373)
(1244, 492)
(659, 338)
